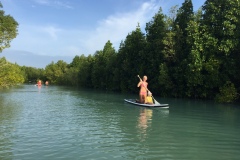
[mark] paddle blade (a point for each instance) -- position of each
(155, 101)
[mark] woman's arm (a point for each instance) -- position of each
(139, 84)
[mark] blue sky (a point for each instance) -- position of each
(67, 28)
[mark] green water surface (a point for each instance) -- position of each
(53, 122)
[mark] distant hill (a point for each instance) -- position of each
(29, 59)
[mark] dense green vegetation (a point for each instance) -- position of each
(10, 74)
(185, 54)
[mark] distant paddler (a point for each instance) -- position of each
(39, 83)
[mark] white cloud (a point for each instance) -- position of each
(62, 4)
(116, 27)
(51, 40)
(48, 40)
(43, 2)
(54, 3)
(52, 31)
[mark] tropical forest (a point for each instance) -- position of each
(184, 53)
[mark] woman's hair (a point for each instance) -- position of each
(144, 77)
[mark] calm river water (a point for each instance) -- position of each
(65, 123)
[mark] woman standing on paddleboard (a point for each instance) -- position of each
(143, 89)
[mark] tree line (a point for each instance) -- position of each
(185, 54)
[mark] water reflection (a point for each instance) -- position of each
(144, 121)
(39, 89)
(163, 112)
(7, 128)
(65, 123)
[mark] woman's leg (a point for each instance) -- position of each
(142, 100)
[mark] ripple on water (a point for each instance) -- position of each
(62, 123)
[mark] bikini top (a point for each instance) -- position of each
(142, 85)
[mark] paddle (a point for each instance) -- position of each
(156, 102)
